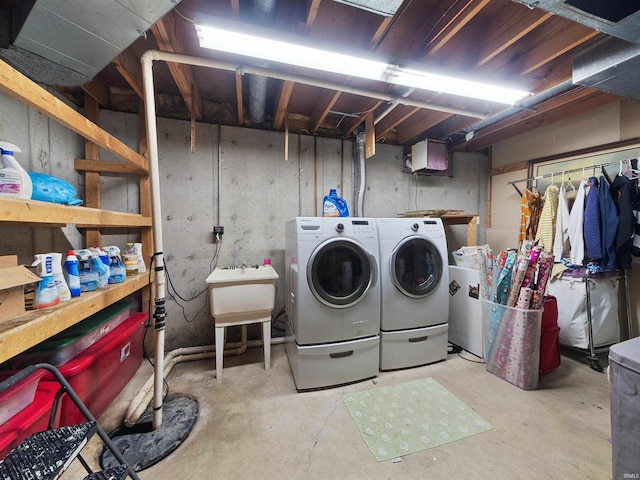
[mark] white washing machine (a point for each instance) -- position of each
(414, 278)
(333, 303)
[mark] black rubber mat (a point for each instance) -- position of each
(142, 447)
(44, 455)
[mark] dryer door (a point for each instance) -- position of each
(340, 272)
(416, 266)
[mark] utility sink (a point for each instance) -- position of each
(236, 292)
(239, 296)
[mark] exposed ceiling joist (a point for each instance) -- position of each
(169, 40)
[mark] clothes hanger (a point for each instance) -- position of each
(569, 184)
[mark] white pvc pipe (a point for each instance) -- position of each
(154, 177)
(242, 69)
(187, 354)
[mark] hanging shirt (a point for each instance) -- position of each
(525, 216)
(547, 223)
(561, 239)
(609, 224)
(592, 230)
(576, 227)
(535, 209)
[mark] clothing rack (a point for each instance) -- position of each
(602, 166)
(623, 275)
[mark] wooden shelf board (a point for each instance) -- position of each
(34, 326)
(14, 210)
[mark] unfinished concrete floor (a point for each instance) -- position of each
(253, 424)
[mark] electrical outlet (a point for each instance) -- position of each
(218, 230)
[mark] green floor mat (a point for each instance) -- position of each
(402, 419)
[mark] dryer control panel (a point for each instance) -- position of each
(432, 226)
(363, 227)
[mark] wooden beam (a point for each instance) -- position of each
(509, 32)
(370, 136)
(453, 26)
(105, 166)
(128, 64)
(352, 124)
(25, 90)
(313, 12)
(239, 99)
(92, 196)
(283, 103)
(395, 120)
(382, 29)
(99, 90)
(322, 108)
(235, 9)
(166, 34)
(423, 120)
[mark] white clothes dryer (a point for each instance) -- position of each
(414, 278)
(333, 299)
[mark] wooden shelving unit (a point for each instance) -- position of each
(34, 326)
(22, 332)
(451, 217)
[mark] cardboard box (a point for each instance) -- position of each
(13, 277)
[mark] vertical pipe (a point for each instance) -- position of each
(154, 175)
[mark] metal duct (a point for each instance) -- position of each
(610, 65)
(68, 42)
(620, 18)
(262, 14)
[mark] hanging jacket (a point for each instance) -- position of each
(622, 192)
(592, 230)
(547, 223)
(576, 226)
(609, 225)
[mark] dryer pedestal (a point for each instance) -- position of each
(414, 347)
(332, 364)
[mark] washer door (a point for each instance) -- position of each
(340, 272)
(416, 267)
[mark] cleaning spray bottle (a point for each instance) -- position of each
(100, 261)
(117, 270)
(14, 180)
(88, 276)
(58, 276)
(72, 274)
(46, 293)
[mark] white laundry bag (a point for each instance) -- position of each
(571, 294)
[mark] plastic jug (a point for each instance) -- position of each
(14, 180)
(334, 206)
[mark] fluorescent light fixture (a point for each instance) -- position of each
(456, 86)
(227, 40)
(241, 41)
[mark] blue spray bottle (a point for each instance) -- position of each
(72, 274)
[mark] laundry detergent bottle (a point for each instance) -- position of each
(14, 180)
(334, 206)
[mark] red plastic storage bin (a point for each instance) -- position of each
(99, 373)
(31, 419)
